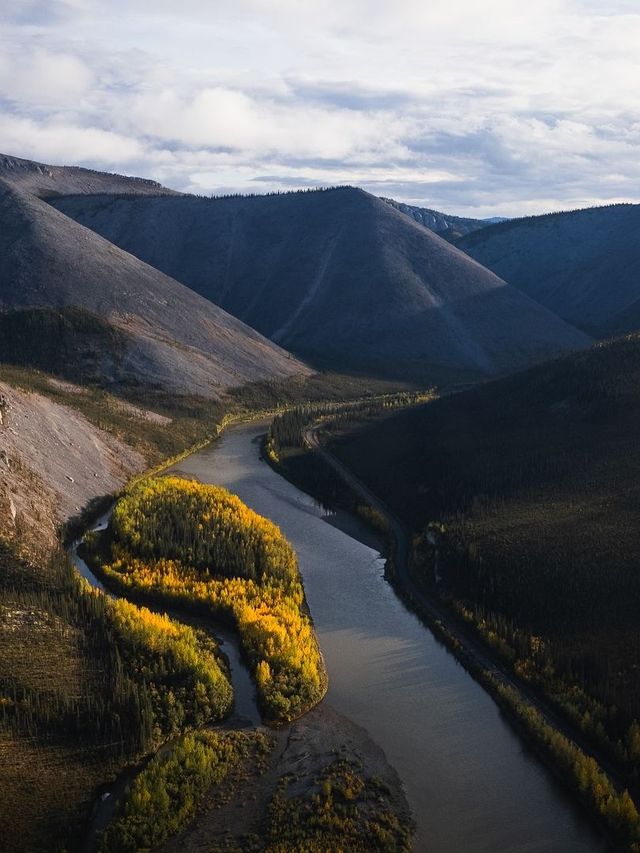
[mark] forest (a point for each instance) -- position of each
(176, 541)
(87, 684)
(524, 491)
(166, 794)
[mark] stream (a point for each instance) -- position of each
(245, 708)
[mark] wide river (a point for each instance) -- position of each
(470, 782)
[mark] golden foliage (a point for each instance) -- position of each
(165, 530)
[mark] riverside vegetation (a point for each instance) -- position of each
(285, 447)
(166, 794)
(103, 683)
(180, 542)
(79, 701)
(522, 499)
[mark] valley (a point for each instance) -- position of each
(451, 404)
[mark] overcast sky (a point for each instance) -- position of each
(476, 107)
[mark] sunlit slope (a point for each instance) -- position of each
(338, 277)
(167, 335)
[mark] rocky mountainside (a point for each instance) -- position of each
(338, 277)
(47, 181)
(447, 226)
(583, 265)
(166, 335)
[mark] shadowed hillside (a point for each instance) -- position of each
(583, 265)
(535, 479)
(338, 277)
(166, 335)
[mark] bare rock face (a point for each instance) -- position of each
(53, 461)
(339, 277)
(444, 224)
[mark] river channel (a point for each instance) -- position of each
(471, 783)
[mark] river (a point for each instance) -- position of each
(471, 783)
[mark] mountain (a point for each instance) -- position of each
(533, 483)
(47, 181)
(583, 265)
(136, 324)
(447, 226)
(338, 277)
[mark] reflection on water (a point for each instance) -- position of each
(470, 781)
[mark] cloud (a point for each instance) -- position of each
(492, 108)
(40, 77)
(67, 144)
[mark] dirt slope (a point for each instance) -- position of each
(173, 337)
(52, 462)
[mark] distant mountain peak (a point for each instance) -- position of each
(444, 224)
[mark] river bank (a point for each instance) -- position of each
(469, 781)
(301, 751)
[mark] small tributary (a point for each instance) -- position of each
(245, 710)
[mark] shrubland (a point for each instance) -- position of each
(344, 810)
(167, 793)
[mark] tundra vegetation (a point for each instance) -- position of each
(180, 542)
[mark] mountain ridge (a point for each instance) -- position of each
(584, 265)
(446, 225)
(45, 181)
(336, 276)
(174, 337)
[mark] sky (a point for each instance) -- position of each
(475, 107)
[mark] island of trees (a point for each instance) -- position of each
(175, 541)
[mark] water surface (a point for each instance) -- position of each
(471, 783)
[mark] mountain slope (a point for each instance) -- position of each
(166, 334)
(533, 483)
(338, 277)
(447, 226)
(583, 265)
(47, 181)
